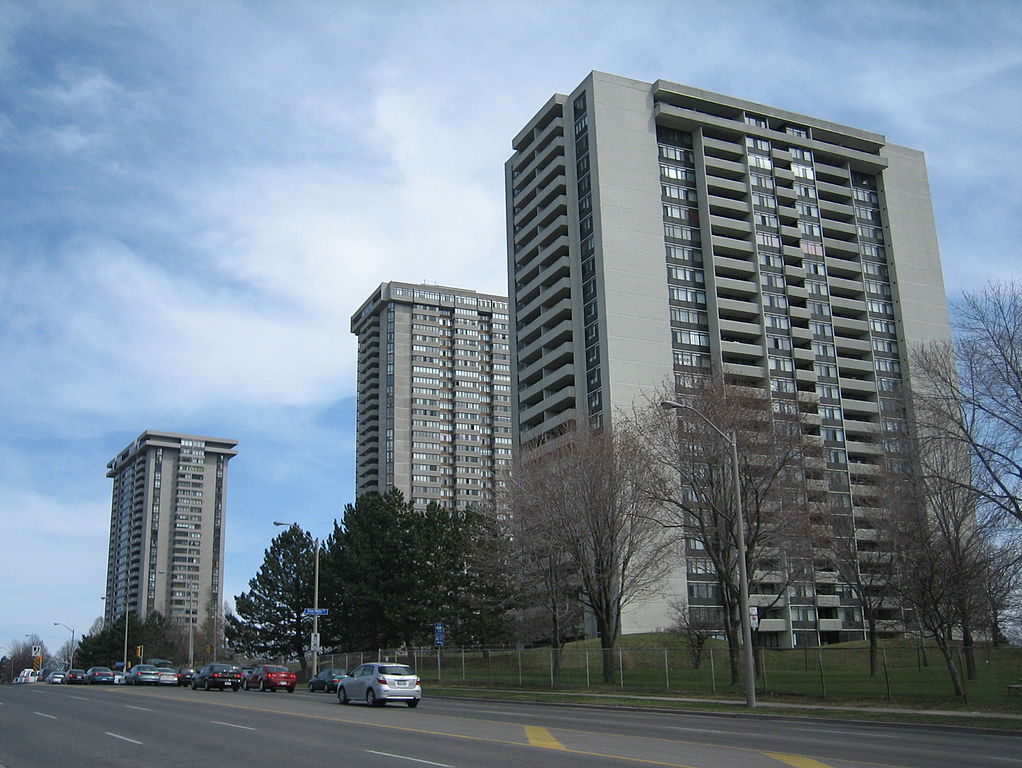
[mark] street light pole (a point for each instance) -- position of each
(71, 660)
(315, 606)
(731, 438)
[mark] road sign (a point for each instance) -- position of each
(315, 612)
(754, 617)
(36, 649)
(439, 633)
(314, 645)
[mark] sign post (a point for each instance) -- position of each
(439, 637)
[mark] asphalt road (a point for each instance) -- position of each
(42, 726)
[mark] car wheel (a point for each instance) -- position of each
(311, 689)
(235, 688)
(193, 685)
(413, 703)
(205, 684)
(262, 686)
(372, 700)
(245, 684)
(342, 696)
(291, 689)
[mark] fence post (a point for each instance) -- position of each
(621, 666)
(713, 673)
(667, 669)
(463, 664)
(587, 668)
(823, 678)
(551, 666)
(519, 667)
(762, 667)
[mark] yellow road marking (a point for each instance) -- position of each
(541, 737)
(796, 761)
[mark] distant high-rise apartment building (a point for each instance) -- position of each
(658, 233)
(167, 526)
(434, 393)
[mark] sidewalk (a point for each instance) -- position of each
(761, 705)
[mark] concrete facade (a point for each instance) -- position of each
(167, 524)
(434, 393)
(658, 232)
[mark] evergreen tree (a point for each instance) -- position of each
(278, 594)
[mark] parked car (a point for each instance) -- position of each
(326, 680)
(55, 678)
(184, 675)
(27, 676)
(270, 677)
(76, 677)
(103, 675)
(380, 682)
(167, 676)
(218, 676)
(142, 674)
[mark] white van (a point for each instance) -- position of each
(27, 676)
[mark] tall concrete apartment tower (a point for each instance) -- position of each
(434, 393)
(657, 232)
(167, 526)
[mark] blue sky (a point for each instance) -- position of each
(195, 196)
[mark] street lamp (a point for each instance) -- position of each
(731, 438)
(314, 641)
(71, 661)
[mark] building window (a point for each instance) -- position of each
(802, 171)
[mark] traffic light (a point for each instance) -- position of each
(138, 651)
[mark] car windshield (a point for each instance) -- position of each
(276, 669)
(396, 669)
(145, 668)
(101, 669)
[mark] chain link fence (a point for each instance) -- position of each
(906, 674)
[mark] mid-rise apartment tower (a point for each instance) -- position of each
(658, 232)
(167, 524)
(434, 393)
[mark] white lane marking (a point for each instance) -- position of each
(508, 714)
(410, 759)
(80, 698)
(122, 738)
(697, 730)
(144, 709)
(49, 716)
(232, 725)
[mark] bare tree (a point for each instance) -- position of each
(584, 496)
(689, 480)
(971, 393)
(547, 587)
(695, 626)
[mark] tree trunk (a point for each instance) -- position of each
(874, 665)
(607, 645)
(969, 649)
(952, 666)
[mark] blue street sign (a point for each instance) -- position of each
(439, 633)
(315, 612)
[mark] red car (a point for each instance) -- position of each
(268, 677)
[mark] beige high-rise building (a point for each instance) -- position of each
(658, 232)
(167, 524)
(434, 393)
